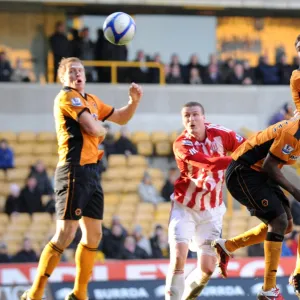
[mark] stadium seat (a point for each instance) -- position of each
(163, 148)
(24, 161)
(137, 161)
(135, 173)
(22, 218)
(41, 218)
(126, 209)
(129, 199)
(43, 149)
(144, 148)
(158, 184)
(114, 173)
(164, 207)
(2, 202)
(13, 247)
(155, 173)
(46, 137)
(117, 160)
(131, 186)
(26, 137)
(10, 136)
(140, 136)
(5, 189)
(116, 186)
(2, 175)
(159, 136)
(173, 136)
(19, 174)
(23, 149)
(4, 219)
(144, 207)
(112, 199)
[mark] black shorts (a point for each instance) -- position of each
(255, 190)
(78, 192)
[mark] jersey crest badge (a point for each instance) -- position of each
(76, 102)
(287, 149)
(187, 143)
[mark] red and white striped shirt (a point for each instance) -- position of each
(202, 166)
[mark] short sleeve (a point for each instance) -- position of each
(282, 147)
(295, 88)
(72, 106)
(104, 110)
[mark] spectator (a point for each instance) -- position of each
(291, 242)
(238, 76)
(124, 145)
(212, 75)
(296, 62)
(141, 240)
(59, 45)
(176, 62)
(116, 221)
(113, 242)
(4, 257)
(5, 68)
(39, 172)
(76, 44)
(248, 71)
(193, 63)
(265, 73)
(154, 73)
(88, 49)
(109, 141)
(20, 74)
(174, 76)
(159, 243)
(12, 200)
(195, 77)
(130, 250)
(6, 156)
(286, 251)
(140, 74)
(168, 187)
(284, 113)
(26, 254)
(284, 69)
(147, 191)
(295, 209)
(227, 68)
(30, 200)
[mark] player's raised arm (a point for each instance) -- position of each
(122, 115)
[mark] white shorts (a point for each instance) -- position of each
(195, 228)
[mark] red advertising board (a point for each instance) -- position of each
(136, 270)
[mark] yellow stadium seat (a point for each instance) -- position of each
(163, 207)
(155, 173)
(144, 217)
(159, 136)
(173, 136)
(113, 186)
(126, 209)
(17, 237)
(135, 173)
(144, 207)
(38, 227)
(131, 186)
(114, 173)
(117, 160)
(2, 176)
(162, 217)
(137, 161)
(24, 161)
(14, 175)
(46, 137)
(109, 210)
(129, 198)
(26, 137)
(41, 217)
(158, 184)
(43, 149)
(5, 189)
(144, 148)
(2, 202)
(23, 149)
(13, 247)
(9, 136)
(140, 136)
(111, 199)
(163, 148)
(22, 218)
(4, 219)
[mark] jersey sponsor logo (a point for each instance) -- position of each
(76, 102)
(294, 157)
(187, 143)
(238, 137)
(287, 149)
(193, 151)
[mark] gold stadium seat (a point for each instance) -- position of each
(129, 198)
(140, 136)
(135, 173)
(126, 209)
(111, 199)
(17, 237)
(163, 148)
(22, 218)
(173, 136)
(43, 149)
(116, 186)
(2, 202)
(131, 186)
(155, 173)
(15, 228)
(14, 175)
(46, 137)
(26, 137)
(24, 161)
(144, 148)
(2, 176)
(9, 136)
(38, 227)
(41, 217)
(141, 217)
(109, 210)
(114, 173)
(23, 149)
(13, 247)
(137, 161)
(158, 184)
(163, 207)
(162, 217)
(5, 189)
(4, 219)
(144, 207)
(159, 136)
(117, 160)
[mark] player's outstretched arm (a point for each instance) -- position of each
(270, 166)
(90, 125)
(122, 115)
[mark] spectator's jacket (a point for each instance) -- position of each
(6, 158)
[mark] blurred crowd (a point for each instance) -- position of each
(73, 42)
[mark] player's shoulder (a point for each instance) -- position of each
(183, 140)
(217, 129)
(68, 96)
(95, 98)
(295, 75)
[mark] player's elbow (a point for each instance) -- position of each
(122, 122)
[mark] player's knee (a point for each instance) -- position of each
(93, 238)
(279, 224)
(289, 228)
(208, 270)
(179, 261)
(65, 234)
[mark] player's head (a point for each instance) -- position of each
(297, 44)
(71, 73)
(193, 118)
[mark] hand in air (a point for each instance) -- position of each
(135, 93)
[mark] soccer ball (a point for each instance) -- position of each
(119, 28)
